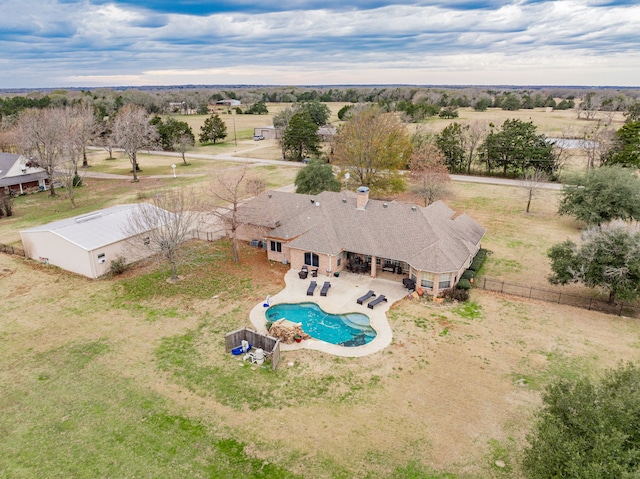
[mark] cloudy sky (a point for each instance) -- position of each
(58, 43)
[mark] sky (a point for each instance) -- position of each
(94, 43)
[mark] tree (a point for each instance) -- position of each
(301, 136)
(625, 150)
(319, 112)
(597, 143)
(633, 112)
(229, 187)
(170, 130)
(428, 171)
(133, 132)
(517, 147)
(316, 177)
(163, 225)
(587, 429)
(280, 123)
(602, 195)
(460, 143)
(449, 112)
(345, 112)
(372, 147)
(259, 108)
(609, 258)
(533, 182)
(42, 136)
(212, 130)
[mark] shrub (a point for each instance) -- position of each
(77, 181)
(118, 266)
(478, 261)
(456, 294)
(468, 274)
(464, 284)
(268, 325)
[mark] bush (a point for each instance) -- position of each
(456, 294)
(468, 274)
(118, 266)
(77, 181)
(478, 261)
(464, 284)
(268, 325)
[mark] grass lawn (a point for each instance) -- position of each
(128, 376)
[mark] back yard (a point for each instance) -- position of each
(128, 376)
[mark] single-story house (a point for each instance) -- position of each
(86, 244)
(18, 176)
(229, 102)
(334, 232)
(268, 132)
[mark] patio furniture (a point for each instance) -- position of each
(314, 273)
(303, 274)
(376, 301)
(325, 288)
(311, 288)
(390, 267)
(364, 298)
(409, 283)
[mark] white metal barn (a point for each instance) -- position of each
(84, 244)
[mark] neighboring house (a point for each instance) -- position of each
(268, 132)
(228, 102)
(86, 244)
(346, 231)
(18, 177)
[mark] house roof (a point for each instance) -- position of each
(430, 239)
(94, 230)
(14, 170)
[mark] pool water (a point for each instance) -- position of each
(351, 329)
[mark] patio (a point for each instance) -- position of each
(341, 298)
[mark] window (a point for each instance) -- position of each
(339, 260)
(102, 257)
(427, 280)
(311, 259)
(444, 283)
(276, 246)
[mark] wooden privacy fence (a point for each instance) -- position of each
(269, 344)
(619, 308)
(5, 248)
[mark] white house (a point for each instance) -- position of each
(18, 176)
(85, 244)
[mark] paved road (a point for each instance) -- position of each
(259, 161)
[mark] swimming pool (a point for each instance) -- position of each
(350, 329)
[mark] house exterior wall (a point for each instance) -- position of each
(50, 248)
(326, 263)
(269, 133)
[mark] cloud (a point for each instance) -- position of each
(364, 42)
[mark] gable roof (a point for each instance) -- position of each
(94, 230)
(14, 170)
(430, 239)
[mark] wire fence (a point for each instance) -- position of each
(5, 248)
(619, 308)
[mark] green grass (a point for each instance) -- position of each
(469, 310)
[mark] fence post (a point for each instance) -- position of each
(530, 290)
(484, 285)
(621, 306)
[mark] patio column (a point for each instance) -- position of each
(374, 268)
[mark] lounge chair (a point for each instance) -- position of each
(325, 288)
(376, 301)
(312, 288)
(369, 294)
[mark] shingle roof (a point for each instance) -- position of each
(93, 230)
(430, 239)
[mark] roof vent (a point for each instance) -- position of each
(344, 200)
(270, 195)
(82, 219)
(312, 201)
(413, 208)
(385, 204)
(317, 203)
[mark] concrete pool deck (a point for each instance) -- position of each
(340, 299)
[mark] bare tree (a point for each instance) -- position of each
(473, 136)
(597, 139)
(42, 136)
(428, 170)
(533, 183)
(86, 128)
(66, 174)
(182, 144)
(163, 225)
(228, 188)
(133, 132)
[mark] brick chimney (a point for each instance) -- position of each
(362, 197)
